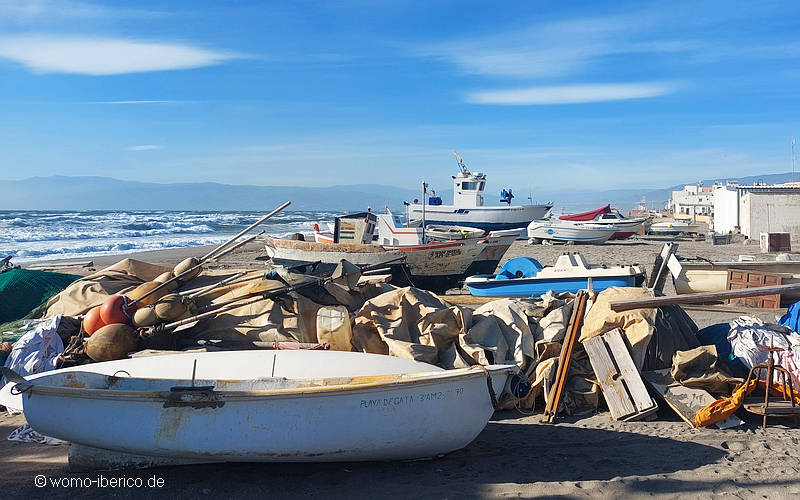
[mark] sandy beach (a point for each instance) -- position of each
(514, 457)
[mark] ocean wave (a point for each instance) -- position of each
(109, 248)
(28, 236)
(32, 235)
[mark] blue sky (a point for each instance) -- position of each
(557, 94)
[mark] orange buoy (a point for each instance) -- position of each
(112, 311)
(92, 321)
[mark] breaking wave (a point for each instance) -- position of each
(32, 235)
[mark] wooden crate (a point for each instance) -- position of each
(739, 279)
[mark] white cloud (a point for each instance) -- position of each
(136, 102)
(144, 147)
(551, 49)
(571, 94)
(104, 56)
(30, 10)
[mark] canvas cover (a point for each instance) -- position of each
(636, 324)
(416, 324)
(92, 290)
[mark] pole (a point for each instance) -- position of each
(243, 232)
(698, 298)
(424, 193)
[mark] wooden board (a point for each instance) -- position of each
(623, 389)
(739, 279)
(699, 298)
(686, 401)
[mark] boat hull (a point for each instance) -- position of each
(532, 287)
(566, 233)
(486, 218)
(697, 277)
(421, 415)
(435, 267)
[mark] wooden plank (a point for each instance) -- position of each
(698, 298)
(614, 392)
(564, 360)
(633, 381)
(685, 401)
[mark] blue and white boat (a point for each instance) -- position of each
(468, 207)
(567, 231)
(526, 277)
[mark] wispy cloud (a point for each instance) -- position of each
(138, 102)
(25, 12)
(552, 49)
(571, 94)
(105, 56)
(144, 147)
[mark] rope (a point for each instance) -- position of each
(492, 395)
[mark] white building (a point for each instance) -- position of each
(693, 200)
(758, 209)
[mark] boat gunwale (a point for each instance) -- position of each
(418, 379)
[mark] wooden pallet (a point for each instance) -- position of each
(739, 279)
(622, 386)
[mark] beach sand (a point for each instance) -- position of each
(515, 456)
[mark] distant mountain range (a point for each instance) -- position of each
(101, 193)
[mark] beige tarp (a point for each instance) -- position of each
(698, 368)
(415, 324)
(92, 290)
(637, 324)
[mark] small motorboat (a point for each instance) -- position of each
(570, 232)
(627, 225)
(673, 228)
(266, 406)
(526, 277)
(447, 233)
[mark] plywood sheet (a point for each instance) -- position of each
(685, 401)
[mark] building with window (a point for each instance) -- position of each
(758, 209)
(693, 200)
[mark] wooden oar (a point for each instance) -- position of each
(199, 291)
(191, 270)
(244, 231)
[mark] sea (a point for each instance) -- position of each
(29, 236)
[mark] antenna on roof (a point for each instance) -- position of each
(464, 169)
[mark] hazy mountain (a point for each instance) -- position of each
(100, 193)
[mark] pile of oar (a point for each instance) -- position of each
(112, 326)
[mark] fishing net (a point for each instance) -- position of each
(21, 290)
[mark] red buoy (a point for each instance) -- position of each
(112, 312)
(92, 321)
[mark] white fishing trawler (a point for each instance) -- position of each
(468, 207)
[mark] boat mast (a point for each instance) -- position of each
(424, 193)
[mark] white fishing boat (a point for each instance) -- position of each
(468, 208)
(701, 275)
(565, 231)
(674, 228)
(435, 266)
(265, 406)
(627, 226)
